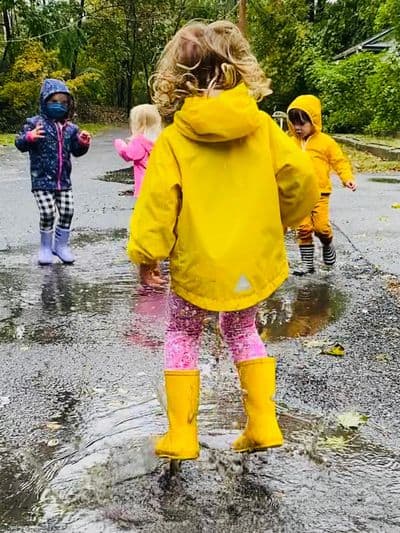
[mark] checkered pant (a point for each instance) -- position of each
(49, 202)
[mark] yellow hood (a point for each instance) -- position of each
(325, 153)
(204, 118)
(311, 105)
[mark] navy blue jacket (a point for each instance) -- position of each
(50, 157)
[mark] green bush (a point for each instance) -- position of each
(19, 92)
(88, 88)
(384, 91)
(344, 91)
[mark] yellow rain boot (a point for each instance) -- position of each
(257, 379)
(180, 441)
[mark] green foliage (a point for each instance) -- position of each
(112, 50)
(344, 92)
(19, 94)
(388, 16)
(384, 90)
(345, 23)
(33, 63)
(88, 88)
(279, 35)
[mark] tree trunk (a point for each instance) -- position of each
(74, 62)
(242, 23)
(8, 35)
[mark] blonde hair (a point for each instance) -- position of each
(143, 119)
(202, 57)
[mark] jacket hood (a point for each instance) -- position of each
(311, 105)
(232, 114)
(49, 87)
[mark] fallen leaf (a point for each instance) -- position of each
(382, 357)
(314, 344)
(335, 443)
(4, 400)
(19, 332)
(53, 426)
(336, 350)
(396, 205)
(352, 420)
(116, 403)
(52, 443)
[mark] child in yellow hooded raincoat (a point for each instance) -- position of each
(305, 125)
(221, 183)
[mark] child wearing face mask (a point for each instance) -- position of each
(50, 138)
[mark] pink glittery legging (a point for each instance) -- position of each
(184, 329)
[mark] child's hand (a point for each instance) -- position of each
(352, 185)
(150, 276)
(35, 134)
(85, 137)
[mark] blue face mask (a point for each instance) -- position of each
(56, 110)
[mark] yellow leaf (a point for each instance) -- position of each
(396, 205)
(336, 350)
(352, 420)
(53, 426)
(335, 443)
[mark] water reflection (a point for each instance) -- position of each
(299, 311)
(149, 310)
(44, 309)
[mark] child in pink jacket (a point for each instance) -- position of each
(145, 126)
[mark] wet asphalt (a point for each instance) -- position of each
(81, 370)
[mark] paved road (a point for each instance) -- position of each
(368, 219)
(81, 357)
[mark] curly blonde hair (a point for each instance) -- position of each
(201, 58)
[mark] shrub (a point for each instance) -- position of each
(384, 90)
(344, 91)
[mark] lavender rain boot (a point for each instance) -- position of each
(45, 256)
(61, 245)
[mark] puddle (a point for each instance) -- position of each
(113, 480)
(124, 175)
(43, 312)
(83, 238)
(385, 180)
(22, 473)
(15, 506)
(103, 476)
(300, 310)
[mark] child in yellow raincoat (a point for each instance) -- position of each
(305, 125)
(222, 181)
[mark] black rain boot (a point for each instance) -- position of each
(307, 260)
(328, 254)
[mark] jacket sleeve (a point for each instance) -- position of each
(295, 176)
(135, 150)
(339, 162)
(77, 147)
(21, 140)
(121, 147)
(152, 226)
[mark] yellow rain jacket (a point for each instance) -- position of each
(221, 182)
(325, 153)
